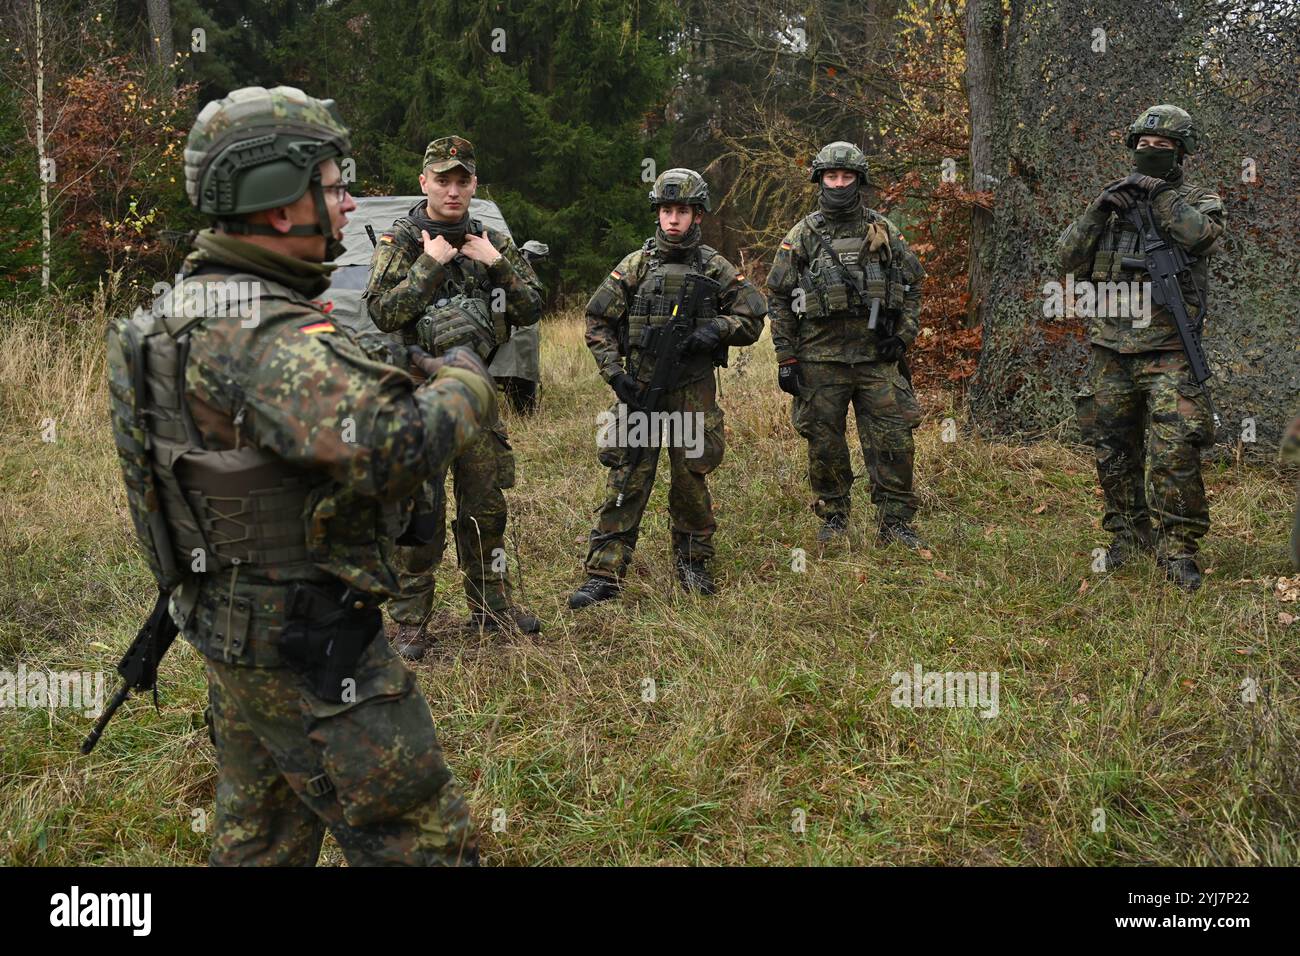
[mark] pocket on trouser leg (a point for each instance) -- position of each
(711, 444)
(1197, 420)
(505, 459)
(380, 752)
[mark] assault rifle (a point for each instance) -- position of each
(139, 665)
(662, 344)
(1164, 262)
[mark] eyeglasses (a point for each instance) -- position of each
(338, 189)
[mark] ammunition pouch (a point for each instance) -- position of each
(325, 633)
(461, 320)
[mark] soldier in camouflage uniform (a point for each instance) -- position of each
(1138, 371)
(637, 295)
(1289, 454)
(840, 330)
(443, 279)
(282, 459)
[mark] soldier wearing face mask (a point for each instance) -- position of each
(1138, 371)
(845, 293)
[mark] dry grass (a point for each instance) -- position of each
(1116, 692)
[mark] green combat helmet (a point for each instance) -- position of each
(680, 186)
(839, 155)
(258, 149)
(1166, 120)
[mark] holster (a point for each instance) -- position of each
(326, 632)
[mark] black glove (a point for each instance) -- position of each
(704, 339)
(891, 349)
(789, 377)
(1117, 196)
(626, 389)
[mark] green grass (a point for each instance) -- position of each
(772, 700)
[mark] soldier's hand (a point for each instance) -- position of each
(1148, 186)
(438, 248)
(1115, 196)
(480, 249)
(891, 349)
(704, 339)
(424, 363)
(789, 377)
(467, 358)
(626, 389)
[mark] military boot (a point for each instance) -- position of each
(594, 590)
(510, 620)
(894, 529)
(411, 640)
(1127, 546)
(835, 526)
(1182, 571)
(695, 577)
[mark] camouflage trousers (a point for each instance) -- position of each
(690, 508)
(291, 765)
(886, 412)
(478, 478)
(1148, 421)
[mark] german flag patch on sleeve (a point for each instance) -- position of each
(785, 245)
(616, 275)
(317, 327)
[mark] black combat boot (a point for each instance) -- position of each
(695, 577)
(1128, 545)
(411, 641)
(510, 619)
(1182, 571)
(593, 591)
(895, 529)
(834, 526)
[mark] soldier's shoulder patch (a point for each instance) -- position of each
(616, 275)
(387, 237)
(786, 245)
(317, 327)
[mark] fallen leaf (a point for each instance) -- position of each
(1083, 585)
(1287, 589)
(1285, 619)
(942, 575)
(926, 554)
(1040, 509)
(1189, 683)
(1079, 699)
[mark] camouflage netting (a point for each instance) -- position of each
(1064, 106)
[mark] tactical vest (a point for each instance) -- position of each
(830, 294)
(448, 325)
(1120, 238)
(196, 510)
(652, 304)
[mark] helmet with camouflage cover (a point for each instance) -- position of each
(258, 149)
(839, 155)
(1166, 120)
(680, 186)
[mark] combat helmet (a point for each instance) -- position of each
(680, 186)
(839, 155)
(1167, 120)
(258, 149)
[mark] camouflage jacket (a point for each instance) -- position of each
(1092, 247)
(841, 335)
(740, 309)
(291, 382)
(404, 281)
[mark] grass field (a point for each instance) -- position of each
(1122, 735)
